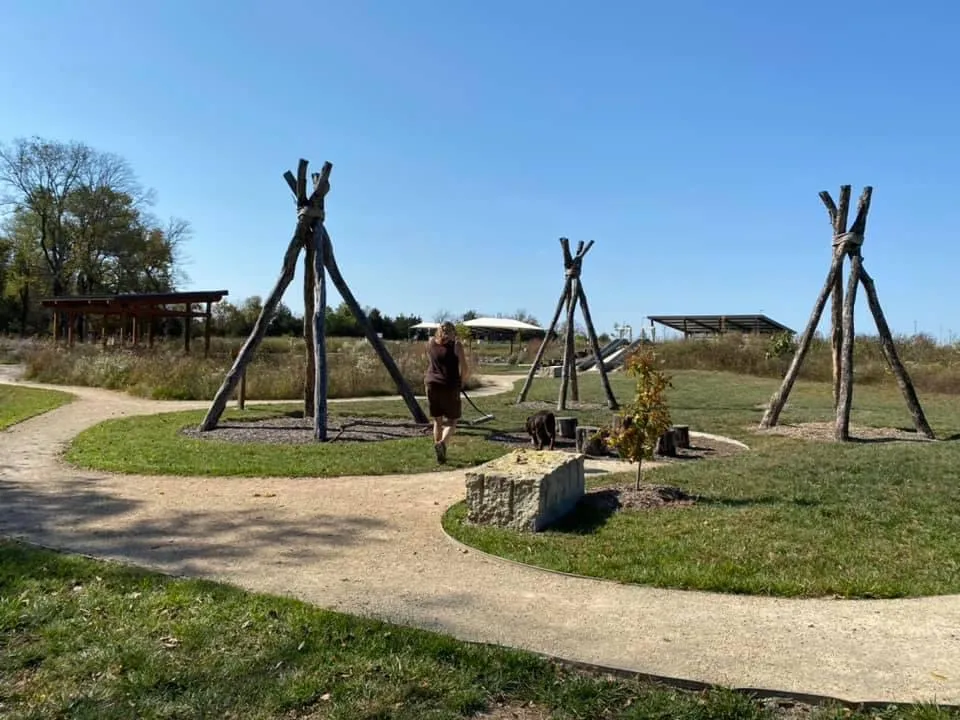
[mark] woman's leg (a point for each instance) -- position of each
(437, 429)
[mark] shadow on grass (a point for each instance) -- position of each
(597, 507)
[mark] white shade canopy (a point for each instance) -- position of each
(492, 323)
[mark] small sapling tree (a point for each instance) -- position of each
(647, 417)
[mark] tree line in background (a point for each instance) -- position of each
(76, 221)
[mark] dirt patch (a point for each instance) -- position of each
(611, 498)
(299, 430)
(513, 712)
(823, 432)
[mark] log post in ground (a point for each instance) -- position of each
(574, 380)
(364, 322)
(779, 398)
(319, 333)
(845, 394)
(890, 352)
(543, 345)
(307, 211)
(569, 366)
(308, 323)
(595, 345)
(839, 214)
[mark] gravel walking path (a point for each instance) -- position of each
(373, 546)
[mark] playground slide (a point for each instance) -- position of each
(589, 361)
(617, 358)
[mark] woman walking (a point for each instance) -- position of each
(446, 370)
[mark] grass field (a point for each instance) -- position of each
(790, 517)
(90, 640)
(22, 403)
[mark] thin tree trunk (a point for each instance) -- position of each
(318, 332)
(595, 345)
(543, 346)
(309, 290)
(779, 398)
(845, 396)
(639, 472)
(245, 355)
(890, 352)
(402, 386)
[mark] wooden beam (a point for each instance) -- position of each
(309, 299)
(207, 318)
(595, 344)
(319, 333)
(187, 322)
(841, 429)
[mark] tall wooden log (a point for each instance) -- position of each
(319, 333)
(309, 385)
(572, 342)
(779, 398)
(845, 396)
(543, 346)
(364, 322)
(838, 221)
(595, 346)
(890, 353)
(245, 355)
(568, 361)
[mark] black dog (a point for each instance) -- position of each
(542, 428)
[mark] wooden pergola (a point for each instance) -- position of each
(136, 309)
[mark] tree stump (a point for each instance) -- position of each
(682, 436)
(589, 441)
(567, 428)
(667, 444)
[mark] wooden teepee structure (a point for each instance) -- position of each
(847, 244)
(573, 293)
(311, 235)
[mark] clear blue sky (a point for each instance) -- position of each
(689, 139)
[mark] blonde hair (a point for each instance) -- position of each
(444, 330)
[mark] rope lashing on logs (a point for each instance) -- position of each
(848, 241)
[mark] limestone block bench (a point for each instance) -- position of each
(525, 489)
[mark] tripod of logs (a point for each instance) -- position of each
(572, 294)
(847, 244)
(311, 235)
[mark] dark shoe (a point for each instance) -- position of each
(441, 451)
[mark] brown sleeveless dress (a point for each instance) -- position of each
(443, 380)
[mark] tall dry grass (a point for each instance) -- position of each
(933, 367)
(276, 373)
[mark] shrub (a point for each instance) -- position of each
(648, 416)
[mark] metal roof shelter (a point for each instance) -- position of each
(137, 307)
(691, 325)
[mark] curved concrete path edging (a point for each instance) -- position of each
(375, 547)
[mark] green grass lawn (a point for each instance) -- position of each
(91, 640)
(791, 517)
(22, 403)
